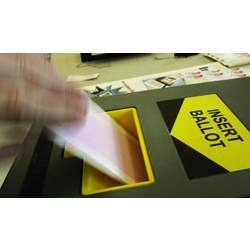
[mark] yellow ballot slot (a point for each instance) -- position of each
(95, 181)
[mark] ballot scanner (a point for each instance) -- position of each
(194, 141)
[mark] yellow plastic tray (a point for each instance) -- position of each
(96, 182)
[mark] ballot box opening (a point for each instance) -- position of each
(94, 181)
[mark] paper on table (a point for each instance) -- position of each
(80, 78)
(104, 144)
(230, 59)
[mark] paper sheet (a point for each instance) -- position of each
(80, 78)
(210, 72)
(230, 59)
(103, 144)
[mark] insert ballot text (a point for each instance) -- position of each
(228, 134)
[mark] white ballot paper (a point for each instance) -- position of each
(104, 144)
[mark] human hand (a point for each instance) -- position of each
(32, 90)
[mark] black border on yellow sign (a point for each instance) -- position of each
(195, 164)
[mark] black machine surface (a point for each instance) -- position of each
(85, 57)
(41, 171)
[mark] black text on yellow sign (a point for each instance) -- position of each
(207, 127)
(209, 137)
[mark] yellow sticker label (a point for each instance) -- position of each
(208, 126)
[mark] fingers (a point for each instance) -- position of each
(31, 89)
(28, 102)
(53, 106)
(8, 100)
(31, 67)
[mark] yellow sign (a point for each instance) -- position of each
(208, 126)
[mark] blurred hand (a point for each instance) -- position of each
(32, 90)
